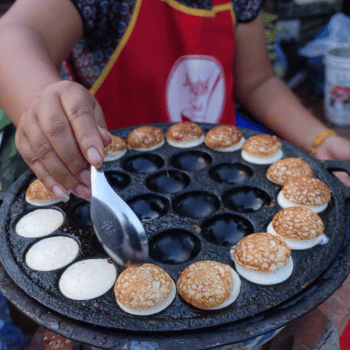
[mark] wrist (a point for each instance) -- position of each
(321, 139)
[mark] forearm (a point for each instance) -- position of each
(26, 68)
(275, 105)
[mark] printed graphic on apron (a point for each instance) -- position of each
(195, 89)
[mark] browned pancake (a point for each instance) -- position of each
(287, 168)
(223, 136)
(145, 138)
(116, 149)
(185, 134)
(143, 286)
(38, 194)
(262, 252)
(306, 190)
(262, 145)
(205, 284)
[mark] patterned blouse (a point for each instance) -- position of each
(105, 22)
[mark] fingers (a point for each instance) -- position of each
(81, 117)
(336, 147)
(343, 177)
(57, 146)
(60, 134)
(49, 182)
(105, 135)
(48, 167)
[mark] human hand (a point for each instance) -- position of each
(60, 134)
(338, 148)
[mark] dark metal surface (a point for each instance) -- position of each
(254, 299)
(268, 321)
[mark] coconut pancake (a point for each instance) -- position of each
(262, 149)
(52, 253)
(263, 258)
(209, 285)
(305, 191)
(224, 138)
(39, 223)
(37, 194)
(145, 138)
(184, 135)
(287, 168)
(115, 150)
(144, 290)
(87, 279)
(300, 227)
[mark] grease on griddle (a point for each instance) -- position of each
(196, 204)
(236, 173)
(143, 163)
(168, 181)
(174, 246)
(226, 229)
(193, 160)
(246, 199)
(149, 206)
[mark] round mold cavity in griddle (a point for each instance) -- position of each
(191, 160)
(146, 163)
(168, 181)
(226, 229)
(196, 204)
(235, 173)
(149, 206)
(246, 199)
(79, 213)
(117, 180)
(174, 246)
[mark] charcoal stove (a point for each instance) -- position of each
(195, 175)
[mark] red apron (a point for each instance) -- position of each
(174, 63)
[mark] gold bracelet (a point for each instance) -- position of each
(320, 138)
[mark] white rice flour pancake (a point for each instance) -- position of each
(262, 160)
(87, 279)
(285, 203)
(39, 223)
(297, 244)
(52, 253)
(266, 278)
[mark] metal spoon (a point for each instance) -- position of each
(117, 227)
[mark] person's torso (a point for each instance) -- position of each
(172, 63)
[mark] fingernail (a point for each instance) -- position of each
(94, 157)
(85, 177)
(104, 132)
(83, 192)
(60, 193)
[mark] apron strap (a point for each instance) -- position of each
(221, 2)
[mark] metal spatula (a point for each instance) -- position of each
(117, 227)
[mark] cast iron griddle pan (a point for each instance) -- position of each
(187, 199)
